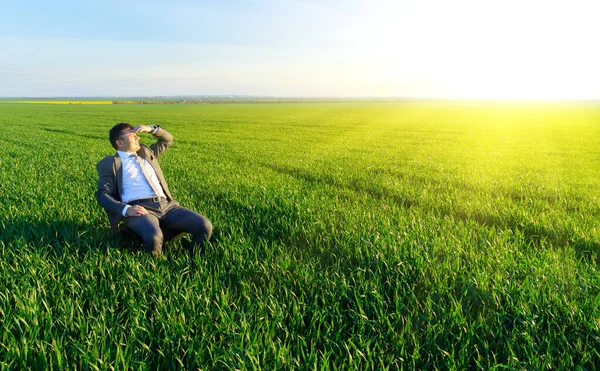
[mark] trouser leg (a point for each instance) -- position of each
(148, 228)
(180, 219)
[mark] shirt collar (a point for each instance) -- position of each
(125, 155)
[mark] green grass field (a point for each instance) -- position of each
(355, 236)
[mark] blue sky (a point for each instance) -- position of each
(525, 49)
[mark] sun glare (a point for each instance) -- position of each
(516, 50)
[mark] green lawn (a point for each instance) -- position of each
(414, 235)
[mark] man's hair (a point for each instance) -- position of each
(115, 132)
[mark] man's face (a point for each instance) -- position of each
(128, 142)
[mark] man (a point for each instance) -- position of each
(132, 189)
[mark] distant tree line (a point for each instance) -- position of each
(255, 100)
(145, 101)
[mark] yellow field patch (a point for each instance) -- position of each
(59, 101)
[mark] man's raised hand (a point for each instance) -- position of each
(141, 129)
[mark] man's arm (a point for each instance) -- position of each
(106, 187)
(165, 139)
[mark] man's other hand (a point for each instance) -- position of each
(137, 210)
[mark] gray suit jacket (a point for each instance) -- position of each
(110, 177)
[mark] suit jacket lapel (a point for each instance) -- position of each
(152, 161)
(145, 156)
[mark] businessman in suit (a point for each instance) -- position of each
(134, 193)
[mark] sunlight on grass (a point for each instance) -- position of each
(347, 236)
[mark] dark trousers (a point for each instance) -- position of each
(165, 220)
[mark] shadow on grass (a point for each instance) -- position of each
(324, 179)
(277, 222)
(534, 235)
(58, 237)
(266, 222)
(75, 133)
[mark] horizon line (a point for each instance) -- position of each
(244, 96)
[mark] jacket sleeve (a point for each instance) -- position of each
(105, 193)
(165, 139)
